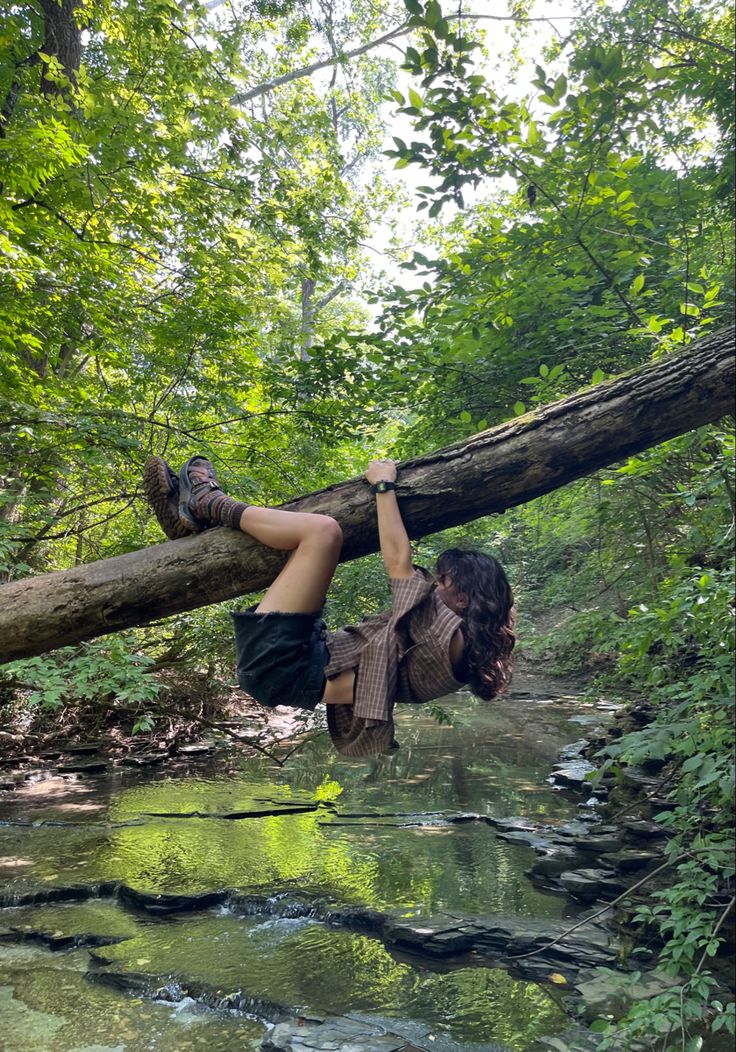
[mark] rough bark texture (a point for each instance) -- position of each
(492, 471)
(62, 40)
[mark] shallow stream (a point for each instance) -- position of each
(369, 833)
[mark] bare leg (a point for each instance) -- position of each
(339, 691)
(314, 541)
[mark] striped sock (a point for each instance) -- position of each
(217, 509)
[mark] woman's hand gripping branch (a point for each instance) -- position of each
(394, 540)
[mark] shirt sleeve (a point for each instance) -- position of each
(408, 592)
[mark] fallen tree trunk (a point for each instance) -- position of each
(497, 469)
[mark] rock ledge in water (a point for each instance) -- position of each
(336, 1035)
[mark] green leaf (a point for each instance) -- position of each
(637, 284)
(416, 99)
(433, 13)
(599, 1026)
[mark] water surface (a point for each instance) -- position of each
(373, 833)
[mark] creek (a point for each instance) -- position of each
(274, 855)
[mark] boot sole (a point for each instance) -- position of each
(159, 487)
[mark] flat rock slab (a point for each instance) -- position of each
(630, 860)
(56, 940)
(334, 1035)
(598, 844)
(588, 885)
(612, 995)
(645, 829)
(571, 774)
(342, 1034)
(148, 759)
(556, 861)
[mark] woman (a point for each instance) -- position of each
(439, 635)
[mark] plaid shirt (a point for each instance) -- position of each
(402, 654)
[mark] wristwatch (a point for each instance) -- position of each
(383, 486)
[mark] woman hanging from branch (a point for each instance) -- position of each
(441, 633)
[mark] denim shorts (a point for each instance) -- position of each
(281, 657)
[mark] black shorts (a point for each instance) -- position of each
(281, 657)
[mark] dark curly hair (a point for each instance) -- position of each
(488, 618)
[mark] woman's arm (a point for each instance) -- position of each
(395, 546)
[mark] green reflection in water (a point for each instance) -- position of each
(370, 861)
(460, 867)
(496, 763)
(373, 862)
(46, 1005)
(326, 971)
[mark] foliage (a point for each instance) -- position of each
(183, 217)
(102, 670)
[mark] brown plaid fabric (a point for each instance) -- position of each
(402, 654)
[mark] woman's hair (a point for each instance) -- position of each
(488, 618)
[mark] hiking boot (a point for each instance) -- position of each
(201, 499)
(161, 489)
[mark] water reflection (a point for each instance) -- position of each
(374, 833)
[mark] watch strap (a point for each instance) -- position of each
(383, 486)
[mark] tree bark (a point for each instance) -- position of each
(62, 40)
(497, 469)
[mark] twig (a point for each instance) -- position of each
(166, 711)
(638, 803)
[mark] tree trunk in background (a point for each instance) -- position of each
(497, 469)
(308, 311)
(62, 40)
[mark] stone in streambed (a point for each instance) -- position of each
(161, 903)
(57, 940)
(600, 844)
(591, 884)
(555, 861)
(572, 774)
(147, 759)
(604, 994)
(339, 1034)
(82, 767)
(630, 860)
(644, 829)
(518, 836)
(438, 937)
(513, 824)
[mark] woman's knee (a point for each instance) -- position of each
(330, 531)
(324, 531)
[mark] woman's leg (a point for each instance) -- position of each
(314, 542)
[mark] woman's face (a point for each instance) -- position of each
(449, 595)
